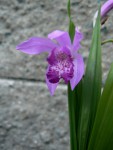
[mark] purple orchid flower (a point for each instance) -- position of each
(64, 62)
(106, 7)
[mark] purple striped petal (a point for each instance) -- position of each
(61, 37)
(36, 45)
(78, 71)
(77, 39)
(51, 86)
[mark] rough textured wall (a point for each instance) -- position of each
(29, 118)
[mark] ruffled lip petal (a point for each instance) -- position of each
(52, 75)
(78, 71)
(77, 39)
(60, 65)
(36, 45)
(51, 59)
(61, 37)
(68, 76)
(53, 78)
(51, 86)
(58, 54)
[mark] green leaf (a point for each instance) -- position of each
(71, 94)
(69, 9)
(71, 24)
(102, 133)
(71, 30)
(91, 88)
(72, 118)
(74, 97)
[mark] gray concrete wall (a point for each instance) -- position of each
(29, 118)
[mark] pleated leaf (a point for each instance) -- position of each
(102, 134)
(91, 88)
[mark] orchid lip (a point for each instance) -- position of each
(61, 65)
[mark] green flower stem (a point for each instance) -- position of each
(72, 120)
(71, 94)
(107, 41)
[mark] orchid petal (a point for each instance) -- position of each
(106, 8)
(61, 37)
(77, 39)
(78, 71)
(36, 45)
(51, 86)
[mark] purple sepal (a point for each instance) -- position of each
(36, 45)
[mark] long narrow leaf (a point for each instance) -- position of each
(72, 118)
(71, 24)
(71, 94)
(102, 134)
(91, 88)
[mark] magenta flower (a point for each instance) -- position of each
(64, 62)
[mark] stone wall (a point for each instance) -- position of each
(30, 119)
